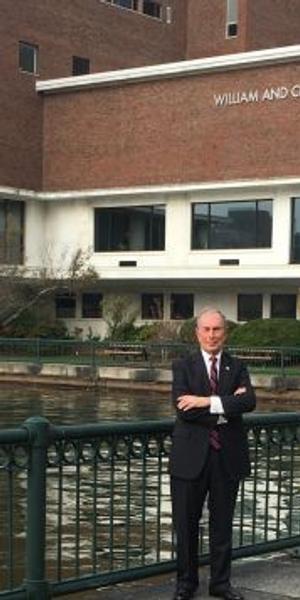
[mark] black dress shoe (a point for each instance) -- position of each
(228, 594)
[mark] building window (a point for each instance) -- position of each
(152, 8)
(91, 307)
(152, 306)
(232, 18)
(11, 232)
(249, 307)
(283, 306)
(229, 225)
(80, 66)
(182, 306)
(133, 228)
(295, 236)
(28, 57)
(65, 306)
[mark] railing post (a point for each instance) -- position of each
(37, 587)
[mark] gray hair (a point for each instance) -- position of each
(211, 310)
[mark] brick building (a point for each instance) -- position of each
(172, 158)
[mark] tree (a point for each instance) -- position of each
(23, 292)
(119, 314)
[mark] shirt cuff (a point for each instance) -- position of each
(216, 406)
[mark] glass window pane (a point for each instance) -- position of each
(65, 306)
(152, 306)
(264, 224)
(11, 231)
(152, 8)
(249, 307)
(295, 249)
(182, 306)
(92, 305)
(233, 225)
(28, 57)
(229, 225)
(283, 306)
(133, 228)
(200, 226)
(80, 66)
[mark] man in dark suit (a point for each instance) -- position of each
(211, 391)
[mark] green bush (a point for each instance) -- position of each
(159, 331)
(187, 331)
(266, 332)
(30, 325)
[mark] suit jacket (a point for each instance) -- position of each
(191, 432)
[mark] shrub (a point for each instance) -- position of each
(266, 332)
(158, 331)
(187, 331)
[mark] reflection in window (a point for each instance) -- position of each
(131, 228)
(152, 306)
(91, 307)
(11, 232)
(283, 306)
(28, 57)
(182, 306)
(222, 225)
(295, 246)
(65, 306)
(249, 307)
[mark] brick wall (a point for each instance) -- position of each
(109, 36)
(171, 131)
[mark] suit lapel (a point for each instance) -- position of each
(225, 373)
(200, 376)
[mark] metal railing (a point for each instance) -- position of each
(89, 505)
(278, 360)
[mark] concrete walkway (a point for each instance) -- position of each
(271, 577)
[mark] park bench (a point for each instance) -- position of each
(127, 352)
(259, 356)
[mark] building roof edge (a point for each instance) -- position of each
(242, 60)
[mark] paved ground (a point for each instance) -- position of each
(272, 577)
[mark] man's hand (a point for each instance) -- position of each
(187, 402)
(240, 390)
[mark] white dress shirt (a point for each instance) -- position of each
(216, 406)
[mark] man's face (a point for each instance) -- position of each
(210, 332)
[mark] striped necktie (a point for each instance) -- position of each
(213, 375)
(214, 437)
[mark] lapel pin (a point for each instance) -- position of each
(227, 368)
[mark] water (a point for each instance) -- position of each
(113, 505)
(70, 406)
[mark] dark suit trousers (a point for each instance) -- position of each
(188, 497)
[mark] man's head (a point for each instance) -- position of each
(211, 330)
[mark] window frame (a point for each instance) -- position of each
(149, 233)
(172, 302)
(210, 232)
(86, 307)
(83, 60)
(159, 306)
(73, 308)
(240, 309)
(6, 237)
(35, 49)
(292, 297)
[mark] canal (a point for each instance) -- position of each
(68, 406)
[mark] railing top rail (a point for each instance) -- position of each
(14, 436)
(21, 435)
